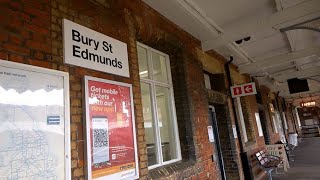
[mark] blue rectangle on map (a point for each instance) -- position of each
(53, 120)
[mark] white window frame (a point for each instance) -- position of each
(258, 121)
(152, 83)
(285, 120)
(298, 117)
(274, 124)
(207, 81)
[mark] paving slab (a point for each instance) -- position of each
(306, 164)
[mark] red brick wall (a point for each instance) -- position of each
(31, 33)
(256, 142)
(259, 143)
(25, 32)
(290, 115)
(266, 99)
(228, 144)
(252, 109)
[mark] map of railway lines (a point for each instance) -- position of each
(32, 125)
(26, 152)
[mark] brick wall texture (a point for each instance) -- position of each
(31, 33)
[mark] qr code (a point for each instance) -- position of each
(100, 137)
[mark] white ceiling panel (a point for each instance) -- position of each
(271, 54)
(275, 70)
(266, 45)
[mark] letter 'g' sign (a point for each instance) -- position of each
(90, 49)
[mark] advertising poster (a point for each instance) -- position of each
(111, 140)
(34, 123)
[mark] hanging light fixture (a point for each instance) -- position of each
(310, 103)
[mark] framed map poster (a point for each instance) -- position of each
(110, 130)
(34, 122)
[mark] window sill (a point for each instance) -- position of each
(250, 144)
(164, 164)
(170, 169)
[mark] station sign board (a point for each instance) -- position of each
(90, 49)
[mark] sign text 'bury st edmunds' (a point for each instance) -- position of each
(86, 54)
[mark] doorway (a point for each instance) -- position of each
(217, 156)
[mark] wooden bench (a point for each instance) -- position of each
(268, 162)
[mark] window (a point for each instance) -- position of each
(207, 81)
(258, 124)
(214, 82)
(298, 117)
(274, 124)
(285, 120)
(163, 146)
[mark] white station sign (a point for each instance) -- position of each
(90, 49)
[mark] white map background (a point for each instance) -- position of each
(30, 147)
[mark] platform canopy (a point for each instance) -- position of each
(272, 40)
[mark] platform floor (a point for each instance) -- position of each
(306, 164)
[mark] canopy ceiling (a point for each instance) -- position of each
(284, 37)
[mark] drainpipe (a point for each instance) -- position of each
(243, 155)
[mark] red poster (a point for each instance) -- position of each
(111, 146)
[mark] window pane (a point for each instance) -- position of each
(149, 124)
(159, 67)
(258, 124)
(166, 126)
(143, 62)
(207, 81)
